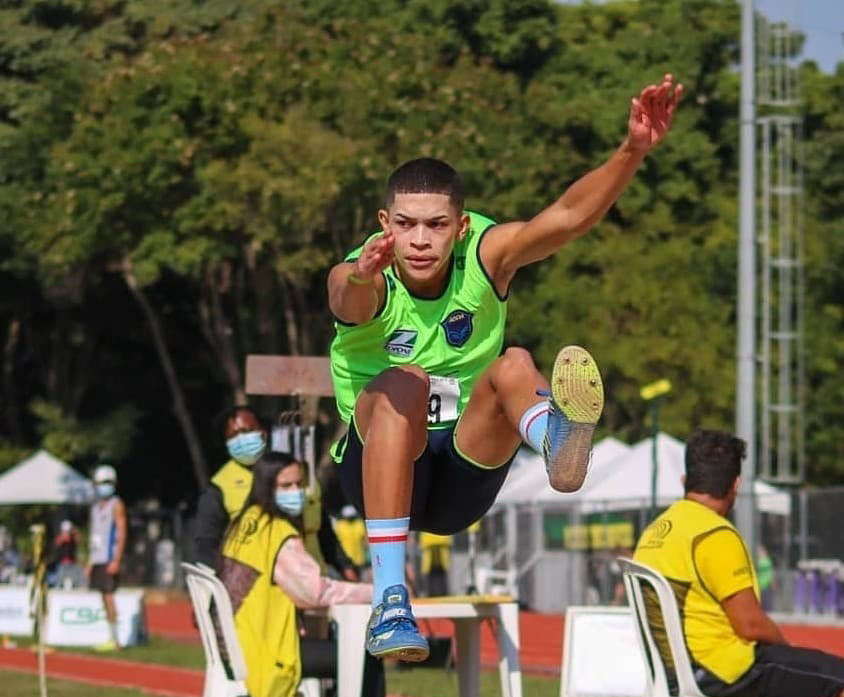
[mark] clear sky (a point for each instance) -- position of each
(821, 20)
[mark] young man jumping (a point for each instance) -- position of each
(435, 411)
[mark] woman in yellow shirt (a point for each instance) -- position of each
(269, 574)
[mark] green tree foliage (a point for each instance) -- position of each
(824, 173)
(106, 439)
(194, 168)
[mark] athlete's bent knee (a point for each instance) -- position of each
(515, 368)
(517, 358)
(402, 390)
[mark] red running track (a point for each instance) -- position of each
(108, 672)
(541, 635)
(541, 651)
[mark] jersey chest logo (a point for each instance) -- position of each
(401, 342)
(458, 327)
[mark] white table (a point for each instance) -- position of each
(467, 612)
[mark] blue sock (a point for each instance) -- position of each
(533, 423)
(387, 541)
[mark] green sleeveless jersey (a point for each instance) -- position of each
(453, 337)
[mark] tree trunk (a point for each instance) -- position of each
(179, 404)
(261, 281)
(218, 333)
(13, 423)
(300, 333)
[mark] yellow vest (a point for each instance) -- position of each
(234, 482)
(705, 560)
(435, 548)
(351, 534)
(265, 618)
(311, 520)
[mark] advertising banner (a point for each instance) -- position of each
(77, 618)
(14, 611)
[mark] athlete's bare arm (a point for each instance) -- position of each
(512, 245)
(356, 289)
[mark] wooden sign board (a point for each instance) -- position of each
(307, 376)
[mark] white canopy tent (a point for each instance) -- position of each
(619, 479)
(42, 478)
(528, 480)
(623, 482)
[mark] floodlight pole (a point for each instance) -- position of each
(746, 318)
(654, 456)
(653, 393)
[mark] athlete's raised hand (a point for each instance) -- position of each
(651, 113)
(377, 255)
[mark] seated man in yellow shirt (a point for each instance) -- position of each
(736, 649)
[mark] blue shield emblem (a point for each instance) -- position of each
(458, 327)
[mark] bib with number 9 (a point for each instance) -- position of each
(443, 398)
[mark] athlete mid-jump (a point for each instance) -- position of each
(435, 411)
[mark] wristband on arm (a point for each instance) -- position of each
(358, 281)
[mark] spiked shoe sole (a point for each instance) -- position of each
(579, 393)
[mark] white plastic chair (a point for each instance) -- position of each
(204, 586)
(637, 577)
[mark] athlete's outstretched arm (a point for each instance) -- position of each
(356, 288)
(514, 245)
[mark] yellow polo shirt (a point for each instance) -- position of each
(705, 560)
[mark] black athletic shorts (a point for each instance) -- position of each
(101, 580)
(449, 492)
(781, 671)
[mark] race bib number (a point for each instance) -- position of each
(443, 399)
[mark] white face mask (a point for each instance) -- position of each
(247, 448)
(291, 501)
(104, 489)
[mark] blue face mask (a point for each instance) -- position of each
(291, 501)
(247, 448)
(104, 490)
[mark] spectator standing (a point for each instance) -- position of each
(765, 569)
(351, 534)
(107, 542)
(246, 441)
(436, 558)
(65, 545)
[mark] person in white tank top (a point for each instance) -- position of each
(107, 541)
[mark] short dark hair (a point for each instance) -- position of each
(713, 461)
(231, 413)
(426, 175)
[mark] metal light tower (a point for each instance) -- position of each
(780, 351)
(781, 444)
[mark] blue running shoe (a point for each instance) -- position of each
(575, 404)
(392, 629)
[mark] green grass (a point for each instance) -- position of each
(25, 685)
(437, 682)
(157, 650)
(412, 681)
